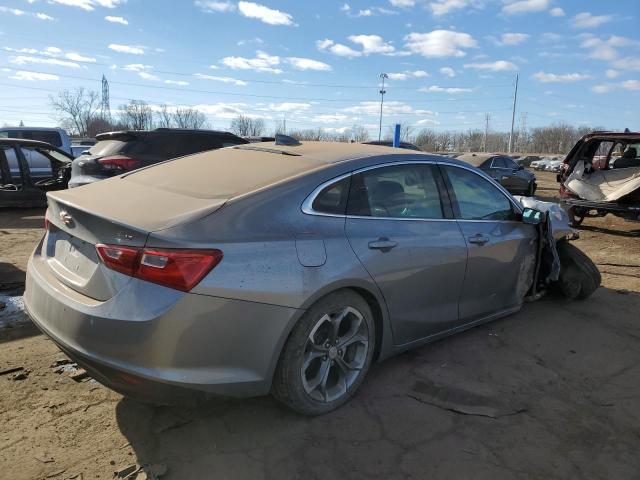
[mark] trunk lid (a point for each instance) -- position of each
(112, 212)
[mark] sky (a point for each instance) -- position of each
(317, 64)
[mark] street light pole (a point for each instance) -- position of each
(382, 92)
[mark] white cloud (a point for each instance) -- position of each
(443, 7)
(215, 7)
(437, 89)
(517, 7)
(512, 38)
(611, 73)
(403, 3)
(120, 20)
(448, 71)
(372, 44)
(89, 4)
(408, 74)
(25, 59)
(149, 76)
(427, 121)
(263, 62)
(627, 63)
(364, 13)
(559, 78)
(132, 49)
(440, 43)
(602, 49)
(180, 83)
(631, 84)
(288, 106)
(603, 88)
(345, 8)
(337, 48)
(264, 14)
(497, 66)
(330, 118)
(234, 81)
(586, 20)
(390, 108)
(76, 57)
(33, 76)
(137, 67)
(20, 13)
(556, 12)
(308, 64)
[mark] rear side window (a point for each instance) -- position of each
(12, 164)
(44, 136)
(398, 191)
(333, 198)
(477, 198)
(498, 162)
(39, 164)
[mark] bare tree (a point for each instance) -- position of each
(164, 117)
(359, 134)
(76, 108)
(189, 118)
(100, 125)
(247, 127)
(137, 115)
(281, 127)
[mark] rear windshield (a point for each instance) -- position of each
(44, 136)
(107, 147)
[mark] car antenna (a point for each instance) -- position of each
(286, 140)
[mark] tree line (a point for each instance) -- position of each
(79, 111)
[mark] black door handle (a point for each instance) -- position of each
(479, 239)
(383, 244)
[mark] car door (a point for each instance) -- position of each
(12, 181)
(501, 248)
(405, 236)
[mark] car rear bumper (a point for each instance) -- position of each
(158, 344)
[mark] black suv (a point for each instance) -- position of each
(505, 170)
(119, 152)
(29, 169)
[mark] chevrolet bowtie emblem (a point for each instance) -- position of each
(65, 217)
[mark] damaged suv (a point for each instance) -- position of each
(601, 175)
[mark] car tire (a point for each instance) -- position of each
(531, 189)
(315, 374)
(575, 220)
(579, 276)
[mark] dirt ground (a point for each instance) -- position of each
(552, 392)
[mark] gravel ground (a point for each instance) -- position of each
(550, 392)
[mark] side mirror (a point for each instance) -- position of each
(532, 216)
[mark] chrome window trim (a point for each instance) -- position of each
(308, 202)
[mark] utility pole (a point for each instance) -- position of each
(382, 92)
(513, 114)
(105, 109)
(523, 131)
(487, 118)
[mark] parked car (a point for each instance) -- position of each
(282, 268)
(553, 165)
(389, 143)
(78, 150)
(527, 160)
(29, 169)
(119, 152)
(54, 136)
(601, 176)
(504, 170)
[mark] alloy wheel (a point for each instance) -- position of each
(335, 354)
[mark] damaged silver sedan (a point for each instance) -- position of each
(285, 268)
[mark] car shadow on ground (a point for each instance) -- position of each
(493, 402)
(22, 218)
(11, 277)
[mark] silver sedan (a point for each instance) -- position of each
(276, 268)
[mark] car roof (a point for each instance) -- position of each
(476, 159)
(38, 129)
(234, 171)
(25, 141)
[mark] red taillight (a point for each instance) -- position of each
(179, 269)
(120, 163)
(118, 258)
